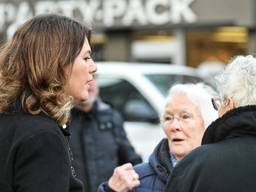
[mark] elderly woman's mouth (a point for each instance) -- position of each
(177, 140)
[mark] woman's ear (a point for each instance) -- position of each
(227, 105)
(230, 103)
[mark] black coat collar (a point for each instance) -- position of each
(240, 121)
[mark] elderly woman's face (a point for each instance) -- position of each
(81, 74)
(183, 125)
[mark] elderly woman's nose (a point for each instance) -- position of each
(175, 124)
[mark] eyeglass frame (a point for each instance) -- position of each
(216, 103)
(179, 119)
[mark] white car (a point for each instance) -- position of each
(138, 91)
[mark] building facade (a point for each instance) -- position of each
(185, 32)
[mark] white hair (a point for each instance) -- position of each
(238, 81)
(200, 94)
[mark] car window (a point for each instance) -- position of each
(126, 99)
(164, 81)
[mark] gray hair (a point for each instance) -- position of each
(200, 94)
(238, 81)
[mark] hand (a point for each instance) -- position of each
(124, 178)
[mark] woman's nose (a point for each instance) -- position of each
(175, 124)
(93, 67)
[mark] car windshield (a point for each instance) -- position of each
(164, 81)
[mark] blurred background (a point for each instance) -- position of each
(184, 32)
(198, 35)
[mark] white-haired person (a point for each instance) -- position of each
(187, 114)
(226, 160)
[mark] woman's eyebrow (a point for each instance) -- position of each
(88, 52)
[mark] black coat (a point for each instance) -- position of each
(226, 161)
(99, 144)
(154, 174)
(34, 155)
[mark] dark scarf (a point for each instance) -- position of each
(160, 160)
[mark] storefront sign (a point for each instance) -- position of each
(106, 13)
(150, 12)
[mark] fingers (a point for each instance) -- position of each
(124, 178)
(126, 166)
(135, 176)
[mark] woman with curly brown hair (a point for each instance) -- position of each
(45, 68)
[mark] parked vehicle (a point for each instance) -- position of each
(138, 91)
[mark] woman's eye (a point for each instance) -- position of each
(168, 118)
(87, 58)
(185, 116)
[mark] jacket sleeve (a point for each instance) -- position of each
(42, 164)
(103, 187)
(126, 152)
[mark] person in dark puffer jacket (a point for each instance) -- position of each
(188, 112)
(98, 140)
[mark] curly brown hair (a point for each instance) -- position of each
(33, 63)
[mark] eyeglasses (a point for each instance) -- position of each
(216, 103)
(182, 119)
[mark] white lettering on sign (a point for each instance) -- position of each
(113, 9)
(45, 7)
(180, 8)
(24, 12)
(88, 9)
(7, 13)
(103, 12)
(155, 17)
(135, 13)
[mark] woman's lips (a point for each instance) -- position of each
(90, 80)
(176, 140)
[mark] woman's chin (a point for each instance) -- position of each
(80, 99)
(85, 97)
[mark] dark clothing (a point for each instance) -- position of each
(34, 155)
(225, 161)
(154, 174)
(99, 144)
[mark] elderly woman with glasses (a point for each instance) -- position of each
(187, 113)
(226, 161)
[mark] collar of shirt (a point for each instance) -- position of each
(173, 160)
